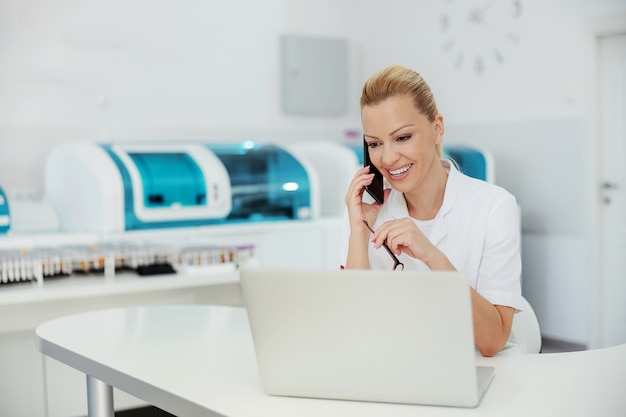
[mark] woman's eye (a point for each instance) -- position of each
(403, 138)
(372, 145)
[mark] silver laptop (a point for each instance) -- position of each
(383, 336)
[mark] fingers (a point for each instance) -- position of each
(357, 210)
(399, 238)
(361, 179)
(402, 236)
(399, 235)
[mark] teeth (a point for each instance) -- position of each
(401, 170)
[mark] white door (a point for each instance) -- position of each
(612, 286)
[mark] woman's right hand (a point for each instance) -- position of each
(357, 209)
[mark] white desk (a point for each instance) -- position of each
(199, 361)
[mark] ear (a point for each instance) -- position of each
(439, 129)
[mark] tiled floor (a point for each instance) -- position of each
(143, 412)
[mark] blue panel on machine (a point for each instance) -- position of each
(471, 161)
(267, 182)
(5, 219)
(170, 178)
(170, 185)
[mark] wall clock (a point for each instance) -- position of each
(479, 33)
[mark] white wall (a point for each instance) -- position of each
(203, 69)
(104, 70)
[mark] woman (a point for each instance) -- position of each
(433, 216)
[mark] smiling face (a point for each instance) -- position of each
(402, 142)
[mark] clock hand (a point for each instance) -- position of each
(485, 7)
(476, 14)
(477, 17)
(517, 6)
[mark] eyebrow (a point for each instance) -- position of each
(393, 132)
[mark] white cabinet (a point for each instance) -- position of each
(22, 389)
(36, 387)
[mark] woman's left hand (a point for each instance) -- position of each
(403, 236)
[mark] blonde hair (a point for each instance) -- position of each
(398, 80)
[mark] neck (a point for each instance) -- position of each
(424, 203)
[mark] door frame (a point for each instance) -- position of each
(597, 28)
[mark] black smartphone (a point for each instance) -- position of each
(375, 189)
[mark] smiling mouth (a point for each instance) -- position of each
(400, 171)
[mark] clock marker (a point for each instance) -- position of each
(444, 21)
(517, 9)
(498, 56)
(459, 61)
(512, 37)
(478, 65)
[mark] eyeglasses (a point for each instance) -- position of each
(397, 265)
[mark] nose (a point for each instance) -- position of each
(390, 154)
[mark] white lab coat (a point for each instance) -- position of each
(477, 228)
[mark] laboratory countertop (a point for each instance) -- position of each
(97, 285)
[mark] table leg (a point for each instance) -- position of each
(99, 398)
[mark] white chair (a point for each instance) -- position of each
(526, 329)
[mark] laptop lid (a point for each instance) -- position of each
(384, 336)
